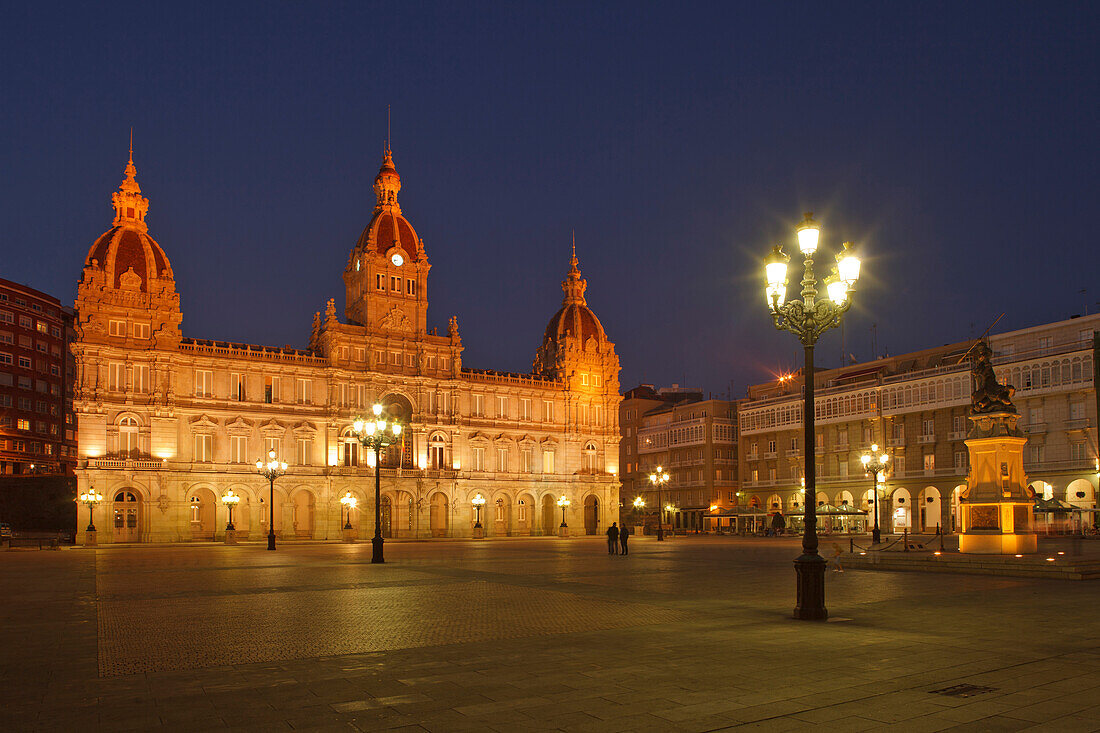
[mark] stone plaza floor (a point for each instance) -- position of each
(691, 634)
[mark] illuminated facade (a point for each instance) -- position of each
(915, 406)
(167, 424)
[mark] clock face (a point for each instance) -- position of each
(397, 259)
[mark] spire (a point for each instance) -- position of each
(130, 206)
(574, 285)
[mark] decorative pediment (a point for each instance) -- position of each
(478, 438)
(526, 440)
(548, 442)
(203, 424)
(396, 320)
(273, 428)
(305, 430)
(502, 439)
(239, 426)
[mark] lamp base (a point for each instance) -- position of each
(90, 539)
(230, 536)
(563, 531)
(479, 533)
(347, 534)
(810, 599)
(376, 554)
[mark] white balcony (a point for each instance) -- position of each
(957, 435)
(923, 439)
(1035, 427)
(895, 442)
(771, 454)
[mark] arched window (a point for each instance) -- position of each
(349, 450)
(196, 510)
(436, 445)
(128, 437)
(521, 511)
(589, 457)
(500, 510)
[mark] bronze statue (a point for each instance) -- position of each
(988, 395)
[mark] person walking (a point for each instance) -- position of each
(613, 539)
(624, 533)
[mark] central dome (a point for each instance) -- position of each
(388, 227)
(574, 320)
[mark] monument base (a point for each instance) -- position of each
(998, 544)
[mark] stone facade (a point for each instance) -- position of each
(916, 406)
(167, 424)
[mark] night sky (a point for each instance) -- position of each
(956, 144)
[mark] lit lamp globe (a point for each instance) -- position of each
(809, 231)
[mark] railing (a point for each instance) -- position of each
(957, 435)
(1035, 427)
(794, 453)
(1078, 423)
(924, 439)
(488, 375)
(249, 351)
(771, 454)
(895, 442)
(127, 464)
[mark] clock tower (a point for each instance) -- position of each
(386, 278)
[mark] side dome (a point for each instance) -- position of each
(574, 320)
(125, 254)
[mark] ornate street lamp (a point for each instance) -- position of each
(348, 502)
(230, 500)
(659, 479)
(478, 501)
(563, 502)
(90, 499)
(808, 319)
(875, 463)
(271, 470)
(376, 434)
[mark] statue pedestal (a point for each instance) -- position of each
(479, 533)
(997, 506)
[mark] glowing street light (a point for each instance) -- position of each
(273, 469)
(230, 500)
(563, 502)
(875, 463)
(808, 319)
(376, 434)
(90, 499)
(479, 501)
(348, 502)
(659, 478)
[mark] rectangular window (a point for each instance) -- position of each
(502, 406)
(271, 389)
(236, 386)
(1076, 410)
(1036, 415)
(26, 322)
(271, 444)
(204, 448)
(395, 284)
(547, 461)
(479, 459)
(5, 358)
(305, 450)
(596, 413)
(141, 378)
(409, 360)
(1036, 453)
(502, 459)
(929, 461)
(23, 424)
(960, 460)
(360, 353)
(595, 380)
(6, 317)
(379, 281)
(479, 408)
(584, 379)
(204, 383)
(141, 330)
(116, 328)
(1045, 342)
(548, 411)
(928, 427)
(410, 287)
(116, 376)
(42, 326)
(525, 408)
(395, 358)
(1077, 451)
(238, 448)
(25, 362)
(443, 363)
(525, 459)
(304, 392)
(899, 466)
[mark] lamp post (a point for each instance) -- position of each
(478, 501)
(271, 470)
(563, 502)
(230, 500)
(90, 499)
(807, 319)
(875, 463)
(659, 479)
(347, 503)
(376, 434)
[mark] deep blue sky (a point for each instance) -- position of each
(955, 143)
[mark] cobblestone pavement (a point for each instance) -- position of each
(542, 634)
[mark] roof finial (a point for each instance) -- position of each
(131, 144)
(573, 259)
(387, 127)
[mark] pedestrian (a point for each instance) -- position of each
(623, 534)
(612, 539)
(838, 552)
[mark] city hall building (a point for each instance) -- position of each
(168, 425)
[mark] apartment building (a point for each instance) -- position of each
(37, 431)
(693, 439)
(915, 405)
